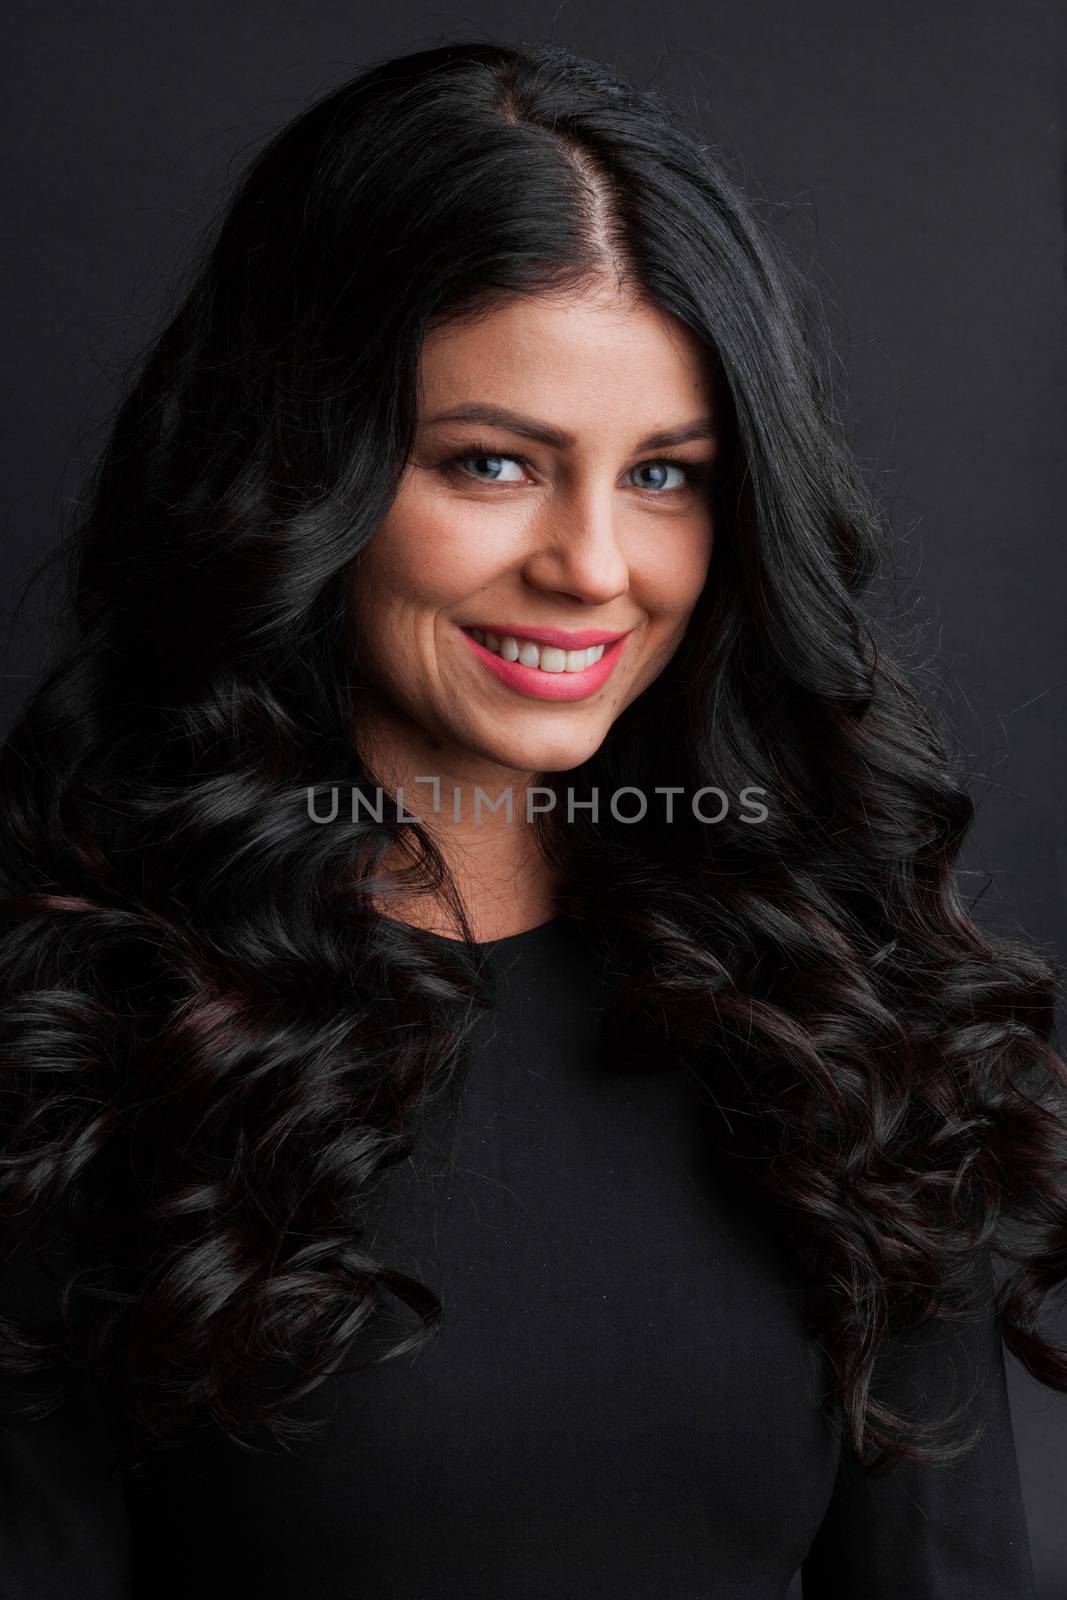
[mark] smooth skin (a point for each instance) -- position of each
(590, 531)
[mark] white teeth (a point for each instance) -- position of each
(548, 657)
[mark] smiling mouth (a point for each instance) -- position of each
(548, 658)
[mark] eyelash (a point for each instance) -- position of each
(696, 472)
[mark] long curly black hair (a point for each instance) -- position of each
(215, 1045)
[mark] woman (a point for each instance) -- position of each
(406, 1195)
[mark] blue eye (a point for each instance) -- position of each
(460, 462)
(664, 466)
(458, 467)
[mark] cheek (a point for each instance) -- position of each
(427, 556)
(673, 584)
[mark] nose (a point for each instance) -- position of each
(576, 549)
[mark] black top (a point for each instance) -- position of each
(621, 1401)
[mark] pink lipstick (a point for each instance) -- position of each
(580, 639)
(552, 685)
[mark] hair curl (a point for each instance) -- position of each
(214, 1044)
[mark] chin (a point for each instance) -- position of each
(548, 755)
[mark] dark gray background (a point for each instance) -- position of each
(914, 154)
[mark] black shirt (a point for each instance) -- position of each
(621, 1401)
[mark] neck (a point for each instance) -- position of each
(503, 880)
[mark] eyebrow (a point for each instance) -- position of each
(502, 417)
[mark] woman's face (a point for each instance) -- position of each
(573, 521)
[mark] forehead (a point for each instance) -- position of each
(570, 357)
